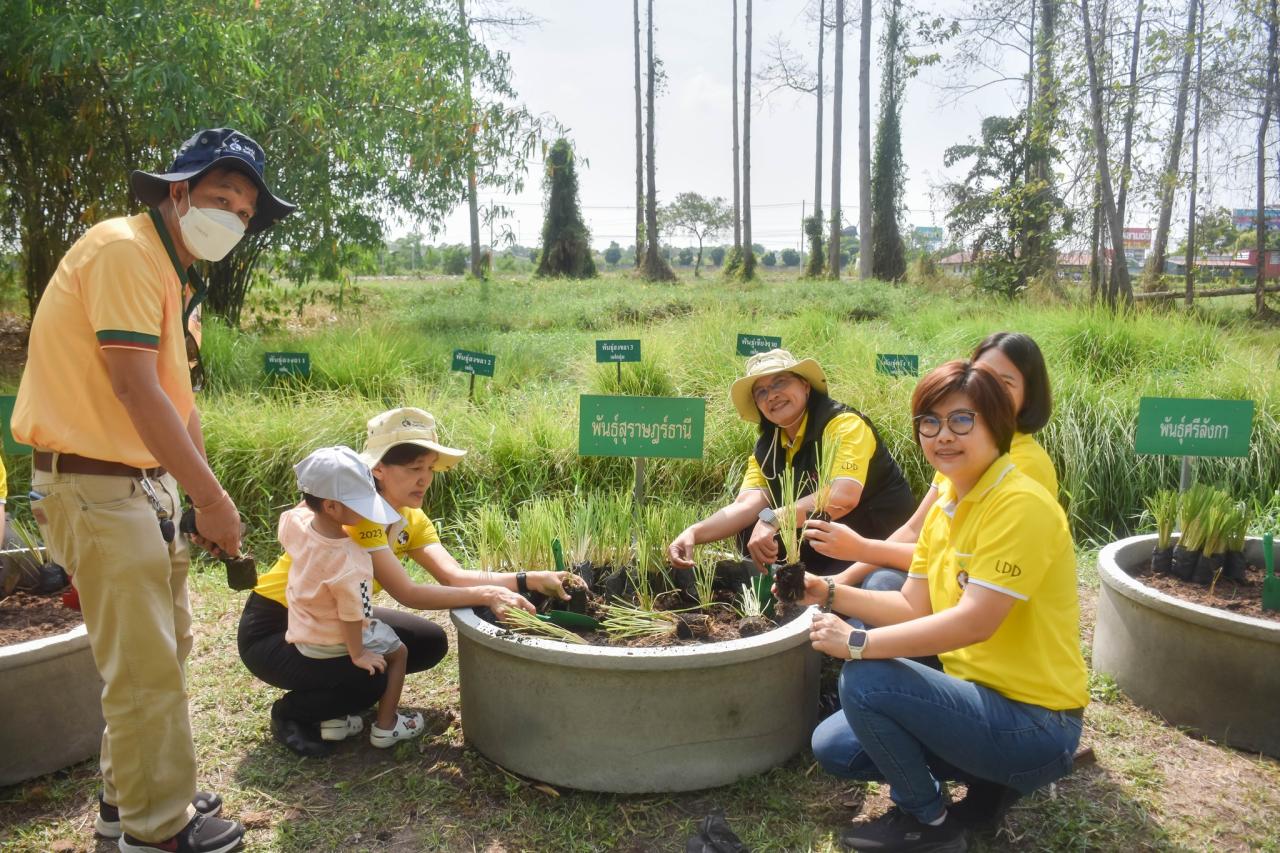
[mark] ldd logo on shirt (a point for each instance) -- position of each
(1004, 567)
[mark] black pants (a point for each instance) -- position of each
(333, 687)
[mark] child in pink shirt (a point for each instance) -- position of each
(330, 585)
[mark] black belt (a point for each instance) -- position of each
(69, 463)
(1078, 713)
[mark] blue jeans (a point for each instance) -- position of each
(882, 580)
(906, 724)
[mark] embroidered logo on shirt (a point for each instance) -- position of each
(962, 578)
(1004, 567)
(402, 538)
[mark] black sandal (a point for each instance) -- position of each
(300, 738)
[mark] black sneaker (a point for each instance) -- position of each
(203, 834)
(107, 824)
(984, 805)
(896, 830)
(299, 737)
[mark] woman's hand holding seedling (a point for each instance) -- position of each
(500, 600)
(371, 662)
(762, 546)
(815, 590)
(833, 540)
(680, 551)
(829, 633)
(550, 584)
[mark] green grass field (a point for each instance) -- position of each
(1153, 787)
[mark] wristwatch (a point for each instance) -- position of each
(769, 517)
(522, 583)
(857, 642)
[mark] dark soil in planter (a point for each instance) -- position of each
(789, 582)
(1243, 598)
(25, 616)
(753, 625)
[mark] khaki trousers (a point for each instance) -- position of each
(133, 595)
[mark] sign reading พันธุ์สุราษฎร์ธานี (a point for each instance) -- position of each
(619, 350)
(749, 345)
(287, 364)
(897, 365)
(657, 427)
(478, 363)
(1176, 426)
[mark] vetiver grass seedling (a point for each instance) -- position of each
(524, 622)
(1163, 506)
(626, 622)
(491, 537)
(789, 578)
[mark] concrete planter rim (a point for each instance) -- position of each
(694, 656)
(1123, 583)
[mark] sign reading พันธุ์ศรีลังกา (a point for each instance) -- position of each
(749, 345)
(287, 364)
(1176, 426)
(897, 365)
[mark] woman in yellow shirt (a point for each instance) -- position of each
(325, 696)
(882, 563)
(992, 592)
(798, 422)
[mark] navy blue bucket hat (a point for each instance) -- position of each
(219, 147)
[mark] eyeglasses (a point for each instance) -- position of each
(781, 381)
(194, 363)
(960, 422)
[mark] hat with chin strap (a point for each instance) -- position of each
(219, 147)
(771, 363)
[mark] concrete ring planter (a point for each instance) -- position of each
(1200, 667)
(629, 720)
(50, 705)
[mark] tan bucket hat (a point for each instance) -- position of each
(407, 426)
(770, 363)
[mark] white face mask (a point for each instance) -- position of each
(209, 232)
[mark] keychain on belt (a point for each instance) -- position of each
(165, 517)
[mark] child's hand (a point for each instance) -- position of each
(371, 662)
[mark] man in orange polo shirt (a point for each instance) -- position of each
(106, 400)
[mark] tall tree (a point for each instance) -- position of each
(655, 266)
(635, 10)
(1169, 178)
(888, 255)
(566, 242)
(473, 210)
(748, 269)
(1131, 112)
(1195, 166)
(1042, 124)
(735, 258)
(1119, 288)
(864, 143)
(1269, 93)
(837, 124)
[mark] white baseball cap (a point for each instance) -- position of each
(338, 474)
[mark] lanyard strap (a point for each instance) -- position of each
(199, 290)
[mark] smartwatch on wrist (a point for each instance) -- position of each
(857, 643)
(522, 582)
(769, 517)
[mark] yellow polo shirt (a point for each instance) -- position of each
(1009, 535)
(117, 287)
(1031, 460)
(4, 483)
(853, 457)
(413, 531)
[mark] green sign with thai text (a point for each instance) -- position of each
(749, 345)
(898, 365)
(663, 427)
(1175, 426)
(287, 364)
(617, 351)
(477, 363)
(11, 445)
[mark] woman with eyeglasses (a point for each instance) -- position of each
(992, 592)
(799, 424)
(882, 563)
